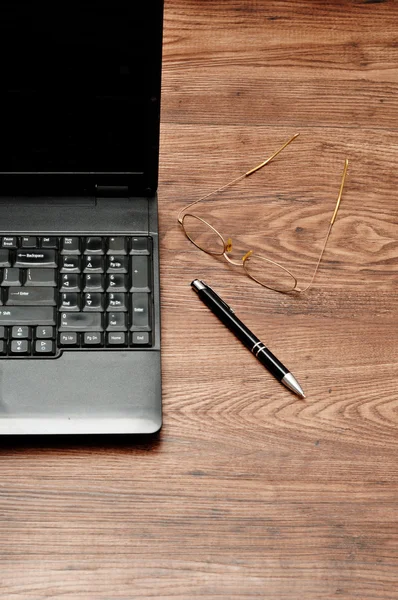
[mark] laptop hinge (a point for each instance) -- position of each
(111, 191)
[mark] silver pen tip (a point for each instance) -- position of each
(291, 382)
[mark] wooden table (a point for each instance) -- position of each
(249, 492)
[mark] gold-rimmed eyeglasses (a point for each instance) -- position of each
(263, 270)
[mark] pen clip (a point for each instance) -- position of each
(218, 297)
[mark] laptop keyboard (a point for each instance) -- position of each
(74, 293)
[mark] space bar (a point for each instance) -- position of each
(29, 315)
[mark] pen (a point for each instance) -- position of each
(228, 317)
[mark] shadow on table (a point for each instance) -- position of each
(93, 443)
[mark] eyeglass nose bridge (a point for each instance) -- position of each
(228, 249)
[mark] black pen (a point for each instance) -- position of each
(228, 317)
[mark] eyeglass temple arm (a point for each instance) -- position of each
(329, 228)
(247, 174)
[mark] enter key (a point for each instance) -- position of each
(30, 296)
(140, 311)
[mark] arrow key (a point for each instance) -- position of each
(93, 302)
(93, 264)
(44, 347)
(20, 332)
(116, 282)
(20, 347)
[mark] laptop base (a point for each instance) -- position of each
(84, 392)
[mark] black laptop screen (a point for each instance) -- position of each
(74, 86)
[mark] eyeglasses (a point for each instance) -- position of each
(263, 270)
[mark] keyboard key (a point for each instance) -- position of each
(70, 264)
(5, 258)
(94, 245)
(116, 321)
(140, 338)
(92, 339)
(9, 242)
(117, 245)
(29, 242)
(116, 282)
(44, 259)
(68, 339)
(117, 264)
(70, 302)
(3, 348)
(31, 296)
(70, 245)
(93, 264)
(139, 244)
(20, 347)
(93, 283)
(21, 332)
(44, 347)
(116, 339)
(140, 311)
(12, 277)
(2, 333)
(140, 272)
(70, 282)
(44, 332)
(27, 315)
(116, 302)
(93, 302)
(41, 277)
(80, 321)
(49, 242)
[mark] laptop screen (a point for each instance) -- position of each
(76, 80)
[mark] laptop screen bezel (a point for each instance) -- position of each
(143, 182)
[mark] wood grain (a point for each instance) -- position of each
(248, 492)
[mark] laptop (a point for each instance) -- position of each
(79, 267)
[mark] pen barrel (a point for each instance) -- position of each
(243, 333)
(271, 363)
(229, 319)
